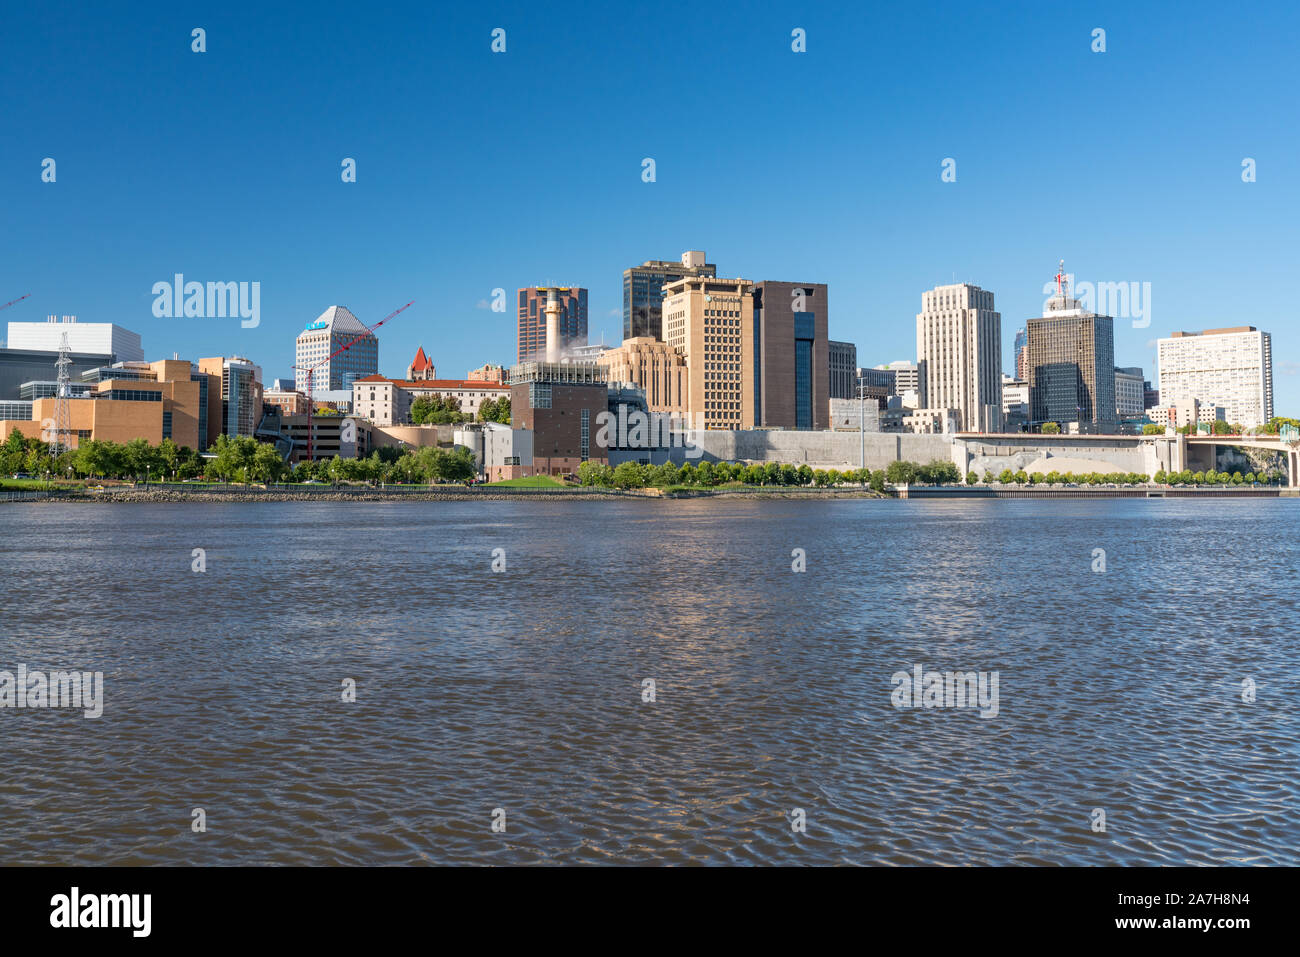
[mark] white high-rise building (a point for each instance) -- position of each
(99, 338)
(329, 332)
(1228, 368)
(959, 355)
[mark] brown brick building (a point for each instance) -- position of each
(559, 403)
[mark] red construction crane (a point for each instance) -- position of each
(311, 370)
(10, 303)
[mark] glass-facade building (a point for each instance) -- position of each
(1071, 366)
(643, 292)
(316, 346)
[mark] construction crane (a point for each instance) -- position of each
(12, 301)
(311, 370)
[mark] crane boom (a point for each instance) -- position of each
(12, 301)
(311, 370)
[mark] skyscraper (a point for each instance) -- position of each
(711, 323)
(1071, 365)
(1020, 355)
(643, 291)
(326, 334)
(572, 301)
(791, 355)
(1230, 368)
(959, 355)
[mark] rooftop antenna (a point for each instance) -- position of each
(1062, 281)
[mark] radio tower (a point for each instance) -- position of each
(62, 414)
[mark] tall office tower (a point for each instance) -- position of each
(643, 291)
(98, 338)
(1072, 365)
(843, 371)
(1020, 355)
(327, 333)
(572, 304)
(1129, 392)
(959, 355)
(791, 356)
(241, 393)
(1230, 368)
(710, 322)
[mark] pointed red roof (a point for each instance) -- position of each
(421, 361)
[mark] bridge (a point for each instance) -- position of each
(1202, 449)
(1148, 454)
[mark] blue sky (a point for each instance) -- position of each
(478, 170)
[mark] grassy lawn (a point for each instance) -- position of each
(533, 481)
(23, 483)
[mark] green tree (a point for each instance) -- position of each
(805, 474)
(630, 475)
(267, 464)
(972, 478)
(1049, 428)
(494, 410)
(1152, 429)
(900, 473)
(436, 409)
(13, 453)
(663, 475)
(597, 474)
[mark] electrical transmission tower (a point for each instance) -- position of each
(62, 438)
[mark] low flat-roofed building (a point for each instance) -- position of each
(153, 401)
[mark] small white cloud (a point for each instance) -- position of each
(482, 304)
(1289, 368)
(614, 313)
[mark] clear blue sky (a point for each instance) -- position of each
(479, 170)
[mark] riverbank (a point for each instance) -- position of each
(497, 493)
(485, 493)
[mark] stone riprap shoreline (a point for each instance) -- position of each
(453, 494)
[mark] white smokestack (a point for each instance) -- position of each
(552, 326)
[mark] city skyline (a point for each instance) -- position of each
(267, 204)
